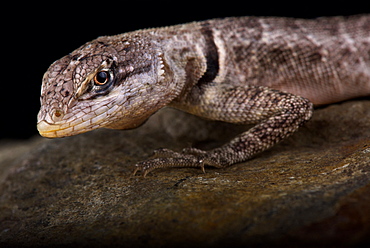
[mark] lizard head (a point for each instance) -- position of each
(113, 82)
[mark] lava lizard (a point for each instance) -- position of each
(269, 72)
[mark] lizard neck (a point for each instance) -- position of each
(190, 57)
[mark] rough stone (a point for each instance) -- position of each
(313, 188)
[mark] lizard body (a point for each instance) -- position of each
(246, 70)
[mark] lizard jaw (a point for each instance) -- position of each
(57, 130)
(48, 128)
(82, 125)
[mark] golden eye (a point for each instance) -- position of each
(101, 78)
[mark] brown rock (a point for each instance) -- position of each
(311, 189)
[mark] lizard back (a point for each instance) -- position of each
(325, 60)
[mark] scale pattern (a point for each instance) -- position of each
(269, 72)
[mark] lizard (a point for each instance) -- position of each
(266, 71)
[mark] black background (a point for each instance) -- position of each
(33, 35)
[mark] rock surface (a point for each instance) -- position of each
(313, 188)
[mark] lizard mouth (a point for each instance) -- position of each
(54, 130)
(58, 126)
(59, 130)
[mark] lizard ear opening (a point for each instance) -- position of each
(164, 71)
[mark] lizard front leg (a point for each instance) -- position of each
(276, 115)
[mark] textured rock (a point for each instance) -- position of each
(313, 188)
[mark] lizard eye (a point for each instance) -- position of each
(102, 78)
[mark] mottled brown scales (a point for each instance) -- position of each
(248, 70)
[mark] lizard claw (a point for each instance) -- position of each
(140, 167)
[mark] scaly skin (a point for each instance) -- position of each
(249, 70)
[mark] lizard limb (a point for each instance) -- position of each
(277, 113)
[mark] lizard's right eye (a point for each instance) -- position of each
(101, 78)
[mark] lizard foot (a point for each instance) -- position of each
(189, 157)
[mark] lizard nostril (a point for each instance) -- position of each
(57, 115)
